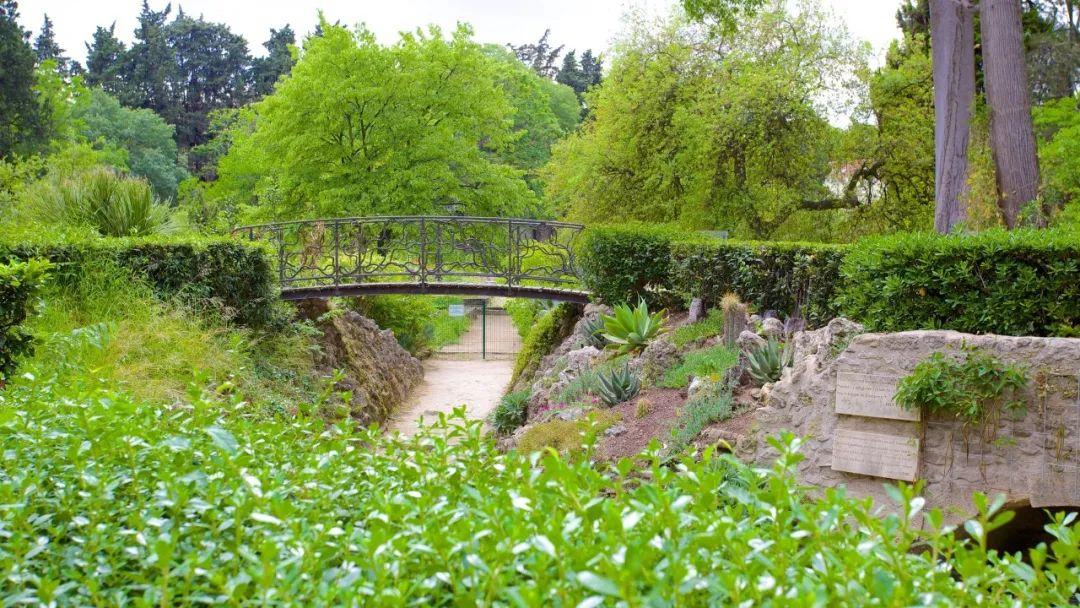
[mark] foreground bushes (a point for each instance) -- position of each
(111, 502)
(19, 283)
(232, 278)
(1023, 282)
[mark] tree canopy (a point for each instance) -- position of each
(709, 128)
(420, 126)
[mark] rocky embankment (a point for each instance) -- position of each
(378, 373)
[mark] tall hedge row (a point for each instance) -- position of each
(1023, 282)
(788, 278)
(627, 262)
(233, 277)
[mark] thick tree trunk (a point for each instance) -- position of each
(1012, 136)
(952, 34)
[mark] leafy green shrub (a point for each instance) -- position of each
(207, 504)
(703, 363)
(409, 317)
(630, 330)
(112, 204)
(510, 413)
(617, 385)
(711, 404)
(1019, 282)
(711, 325)
(550, 329)
(963, 387)
(769, 360)
(232, 278)
(19, 284)
(787, 277)
(627, 262)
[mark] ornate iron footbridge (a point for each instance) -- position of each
(439, 255)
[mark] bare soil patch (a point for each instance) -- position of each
(664, 404)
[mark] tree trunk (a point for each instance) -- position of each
(952, 42)
(1012, 136)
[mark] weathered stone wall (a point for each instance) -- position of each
(378, 371)
(1032, 459)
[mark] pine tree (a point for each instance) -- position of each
(149, 64)
(22, 125)
(265, 71)
(571, 74)
(541, 57)
(591, 69)
(46, 47)
(105, 61)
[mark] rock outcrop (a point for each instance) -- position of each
(379, 373)
(1032, 458)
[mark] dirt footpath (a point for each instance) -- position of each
(450, 383)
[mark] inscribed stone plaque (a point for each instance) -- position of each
(876, 454)
(869, 395)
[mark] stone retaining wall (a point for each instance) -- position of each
(857, 438)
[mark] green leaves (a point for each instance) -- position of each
(310, 514)
(768, 361)
(1020, 282)
(965, 386)
(19, 285)
(630, 330)
(617, 385)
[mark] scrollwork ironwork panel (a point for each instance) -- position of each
(422, 250)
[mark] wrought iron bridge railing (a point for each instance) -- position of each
(424, 254)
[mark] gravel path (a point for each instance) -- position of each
(449, 383)
(457, 376)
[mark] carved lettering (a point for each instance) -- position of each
(876, 454)
(869, 395)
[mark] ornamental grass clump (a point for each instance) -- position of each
(108, 501)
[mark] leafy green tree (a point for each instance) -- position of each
(360, 128)
(265, 71)
(22, 124)
(712, 129)
(144, 137)
(591, 69)
(544, 111)
(149, 63)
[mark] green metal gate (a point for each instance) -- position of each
(491, 333)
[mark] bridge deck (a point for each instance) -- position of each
(439, 289)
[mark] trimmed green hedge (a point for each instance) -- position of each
(1023, 282)
(785, 277)
(19, 282)
(231, 276)
(624, 263)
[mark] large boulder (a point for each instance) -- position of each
(658, 356)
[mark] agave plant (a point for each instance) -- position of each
(617, 385)
(769, 360)
(631, 330)
(593, 331)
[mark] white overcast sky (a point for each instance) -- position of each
(578, 24)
